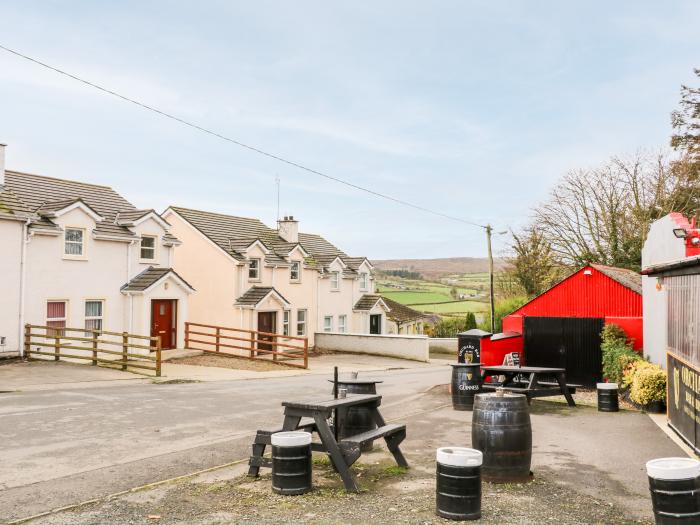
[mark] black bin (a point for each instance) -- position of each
(356, 420)
(458, 483)
(469, 345)
(466, 383)
(608, 397)
(674, 484)
(291, 462)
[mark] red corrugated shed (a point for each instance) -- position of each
(614, 294)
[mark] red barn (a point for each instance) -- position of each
(562, 326)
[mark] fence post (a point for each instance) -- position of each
(274, 347)
(57, 348)
(253, 338)
(218, 337)
(187, 335)
(94, 348)
(158, 349)
(306, 352)
(125, 349)
(27, 340)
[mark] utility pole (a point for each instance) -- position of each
(489, 230)
(277, 183)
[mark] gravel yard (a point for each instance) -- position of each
(237, 363)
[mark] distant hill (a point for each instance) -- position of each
(437, 268)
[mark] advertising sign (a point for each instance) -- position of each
(683, 399)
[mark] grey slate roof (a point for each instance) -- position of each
(11, 205)
(129, 216)
(367, 301)
(148, 278)
(401, 313)
(627, 278)
(256, 294)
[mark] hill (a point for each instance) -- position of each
(438, 268)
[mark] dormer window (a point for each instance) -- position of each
(74, 242)
(148, 248)
(295, 272)
(364, 281)
(335, 280)
(254, 269)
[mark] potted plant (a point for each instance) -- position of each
(648, 386)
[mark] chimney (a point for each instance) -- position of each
(2, 164)
(288, 229)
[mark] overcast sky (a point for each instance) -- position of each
(473, 109)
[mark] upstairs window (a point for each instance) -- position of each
(74, 240)
(295, 271)
(301, 322)
(364, 281)
(148, 248)
(254, 269)
(335, 280)
(56, 317)
(93, 315)
(328, 323)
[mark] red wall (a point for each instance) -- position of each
(493, 352)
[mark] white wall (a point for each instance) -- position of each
(445, 345)
(411, 347)
(11, 242)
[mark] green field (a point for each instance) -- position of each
(455, 308)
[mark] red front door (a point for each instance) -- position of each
(164, 321)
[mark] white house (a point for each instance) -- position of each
(79, 255)
(253, 277)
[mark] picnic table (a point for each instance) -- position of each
(528, 380)
(343, 452)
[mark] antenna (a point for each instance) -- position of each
(277, 182)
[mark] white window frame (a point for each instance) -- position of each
(100, 318)
(155, 249)
(66, 242)
(335, 281)
(257, 269)
(342, 323)
(301, 324)
(286, 317)
(364, 281)
(328, 323)
(63, 319)
(291, 269)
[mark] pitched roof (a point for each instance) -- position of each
(368, 301)
(625, 277)
(148, 278)
(256, 294)
(11, 205)
(401, 313)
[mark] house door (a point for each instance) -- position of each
(164, 322)
(267, 322)
(375, 324)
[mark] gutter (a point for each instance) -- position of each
(676, 265)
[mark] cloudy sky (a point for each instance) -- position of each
(470, 108)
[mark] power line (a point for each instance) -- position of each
(239, 143)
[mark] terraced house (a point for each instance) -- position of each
(281, 281)
(79, 255)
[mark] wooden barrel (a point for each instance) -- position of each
(466, 383)
(357, 420)
(608, 397)
(501, 429)
(674, 484)
(291, 463)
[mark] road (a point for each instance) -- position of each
(67, 445)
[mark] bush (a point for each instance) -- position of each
(617, 353)
(449, 327)
(471, 321)
(502, 308)
(648, 383)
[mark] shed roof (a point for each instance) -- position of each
(255, 294)
(625, 277)
(401, 313)
(149, 277)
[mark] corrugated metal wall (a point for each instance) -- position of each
(684, 317)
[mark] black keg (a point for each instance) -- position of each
(466, 383)
(607, 397)
(501, 429)
(674, 484)
(356, 420)
(458, 483)
(291, 462)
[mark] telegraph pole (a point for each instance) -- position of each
(489, 230)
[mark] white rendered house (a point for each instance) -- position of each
(79, 255)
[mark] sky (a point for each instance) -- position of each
(471, 108)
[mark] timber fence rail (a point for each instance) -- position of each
(117, 350)
(249, 344)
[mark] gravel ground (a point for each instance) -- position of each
(238, 363)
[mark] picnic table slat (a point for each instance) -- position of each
(350, 400)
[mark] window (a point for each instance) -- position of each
(364, 281)
(74, 242)
(342, 323)
(295, 271)
(335, 280)
(328, 323)
(148, 248)
(93, 315)
(55, 317)
(301, 322)
(285, 322)
(254, 269)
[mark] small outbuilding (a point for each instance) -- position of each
(561, 327)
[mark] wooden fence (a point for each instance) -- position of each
(249, 344)
(108, 349)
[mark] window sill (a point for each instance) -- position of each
(147, 261)
(75, 258)
(335, 289)
(254, 280)
(295, 282)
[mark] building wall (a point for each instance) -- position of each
(168, 289)
(11, 242)
(412, 347)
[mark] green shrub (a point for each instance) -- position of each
(502, 308)
(648, 383)
(471, 321)
(449, 327)
(617, 353)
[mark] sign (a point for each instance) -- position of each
(469, 352)
(683, 399)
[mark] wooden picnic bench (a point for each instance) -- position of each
(344, 452)
(526, 380)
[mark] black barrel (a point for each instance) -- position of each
(357, 420)
(608, 397)
(674, 484)
(458, 483)
(501, 429)
(291, 463)
(466, 383)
